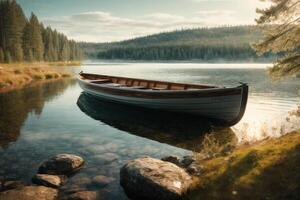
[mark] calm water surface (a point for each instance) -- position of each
(39, 122)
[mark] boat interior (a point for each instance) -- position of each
(140, 84)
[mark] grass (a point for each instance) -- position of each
(41, 64)
(267, 170)
(18, 75)
(70, 63)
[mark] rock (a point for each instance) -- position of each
(172, 159)
(106, 157)
(102, 181)
(11, 184)
(83, 195)
(30, 193)
(49, 180)
(187, 160)
(82, 181)
(61, 164)
(149, 178)
(72, 189)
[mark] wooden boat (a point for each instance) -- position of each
(224, 104)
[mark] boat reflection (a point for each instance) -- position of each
(184, 131)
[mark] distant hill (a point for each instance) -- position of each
(204, 44)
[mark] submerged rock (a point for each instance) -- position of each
(106, 157)
(68, 190)
(82, 181)
(149, 178)
(54, 181)
(62, 164)
(102, 181)
(83, 195)
(30, 193)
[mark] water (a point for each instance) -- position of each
(39, 122)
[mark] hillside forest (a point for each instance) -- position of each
(227, 43)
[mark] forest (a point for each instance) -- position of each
(206, 44)
(23, 39)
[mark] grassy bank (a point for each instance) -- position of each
(18, 75)
(267, 170)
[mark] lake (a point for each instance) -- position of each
(47, 119)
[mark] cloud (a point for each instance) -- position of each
(104, 27)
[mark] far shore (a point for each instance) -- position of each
(15, 76)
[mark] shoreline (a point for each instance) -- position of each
(250, 170)
(17, 76)
(264, 170)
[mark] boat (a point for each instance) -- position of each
(225, 105)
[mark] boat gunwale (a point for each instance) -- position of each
(164, 91)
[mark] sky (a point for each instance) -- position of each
(115, 20)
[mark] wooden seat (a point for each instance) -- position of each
(100, 81)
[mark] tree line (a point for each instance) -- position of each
(183, 52)
(206, 44)
(23, 39)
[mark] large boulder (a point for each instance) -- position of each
(30, 193)
(54, 181)
(149, 178)
(62, 164)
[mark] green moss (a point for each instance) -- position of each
(269, 170)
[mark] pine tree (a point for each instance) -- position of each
(281, 23)
(27, 42)
(12, 22)
(1, 55)
(8, 58)
(51, 51)
(36, 39)
(22, 39)
(65, 52)
(55, 45)
(49, 45)
(30, 56)
(33, 40)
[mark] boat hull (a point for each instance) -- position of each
(226, 105)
